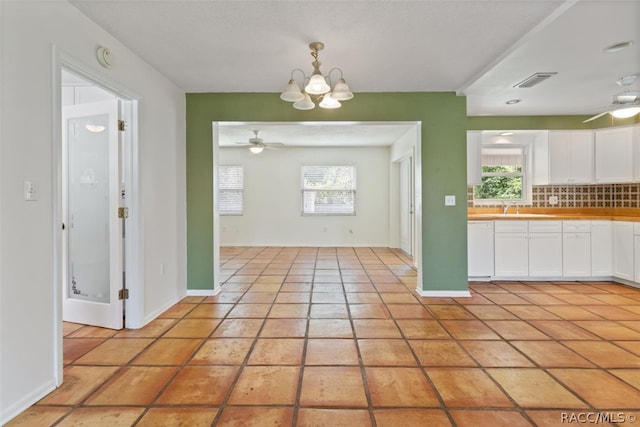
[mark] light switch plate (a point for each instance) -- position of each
(449, 200)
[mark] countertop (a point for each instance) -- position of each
(617, 214)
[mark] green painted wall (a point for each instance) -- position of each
(444, 125)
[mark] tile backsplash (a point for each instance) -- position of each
(581, 196)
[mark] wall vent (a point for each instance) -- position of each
(534, 79)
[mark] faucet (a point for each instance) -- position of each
(506, 206)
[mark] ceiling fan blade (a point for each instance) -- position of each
(595, 117)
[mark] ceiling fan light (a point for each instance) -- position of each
(341, 91)
(625, 113)
(305, 103)
(329, 102)
(292, 93)
(317, 85)
(256, 149)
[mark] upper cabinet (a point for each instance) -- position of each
(614, 155)
(571, 157)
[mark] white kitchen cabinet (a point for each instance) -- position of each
(623, 258)
(614, 155)
(528, 248)
(511, 248)
(576, 248)
(480, 248)
(474, 170)
(540, 172)
(601, 248)
(636, 251)
(635, 136)
(570, 157)
(545, 248)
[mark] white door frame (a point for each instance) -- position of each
(415, 152)
(412, 235)
(133, 243)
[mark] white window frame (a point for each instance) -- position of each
(527, 176)
(223, 210)
(349, 187)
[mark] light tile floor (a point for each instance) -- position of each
(339, 337)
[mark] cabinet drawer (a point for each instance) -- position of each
(576, 226)
(545, 226)
(510, 226)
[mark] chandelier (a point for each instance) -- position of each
(317, 85)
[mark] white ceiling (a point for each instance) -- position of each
(477, 48)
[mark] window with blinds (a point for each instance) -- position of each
(504, 175)
(328, 190)
(231, 190)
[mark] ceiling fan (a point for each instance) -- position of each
(623, 105)
(256, 144)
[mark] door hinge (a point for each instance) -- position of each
(123, 212)
(122, 125)
(123, 294)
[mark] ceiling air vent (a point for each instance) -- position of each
(534, 79)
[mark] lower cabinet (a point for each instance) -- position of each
(528, 248)
(511, 254)
(551, 248)
(576, 248)
(601, 248)
(545, 248)
(623, 257)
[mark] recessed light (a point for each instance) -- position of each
(513, 101)
(506, 133)
(618, 46)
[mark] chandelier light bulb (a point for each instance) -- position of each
(329, 102)
(317, 85)
(305, 103)
(292, 93)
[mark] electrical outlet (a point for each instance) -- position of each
(553, 200)
(449, 200)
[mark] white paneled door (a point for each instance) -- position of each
(92, 229)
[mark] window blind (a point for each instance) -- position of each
(328, 190)
(231, 190)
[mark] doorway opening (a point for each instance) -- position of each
(96, 199)
(274, 209)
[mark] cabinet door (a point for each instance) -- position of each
(636, 251)
(559, 157)
(576, 254)
(601, 248)
(581, 157)
(614, 155)
(480, 248)
(623, 258)
(571, 157)
(511, 254)
(545, 254)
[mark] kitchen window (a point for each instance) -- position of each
(231, 190)
(328, 190)
(504, 176)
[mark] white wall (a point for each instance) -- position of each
(28, 303)
(273, 204)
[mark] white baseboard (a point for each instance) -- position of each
(204, 292)
(7, 414)
(151, 316)
(443, 294)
